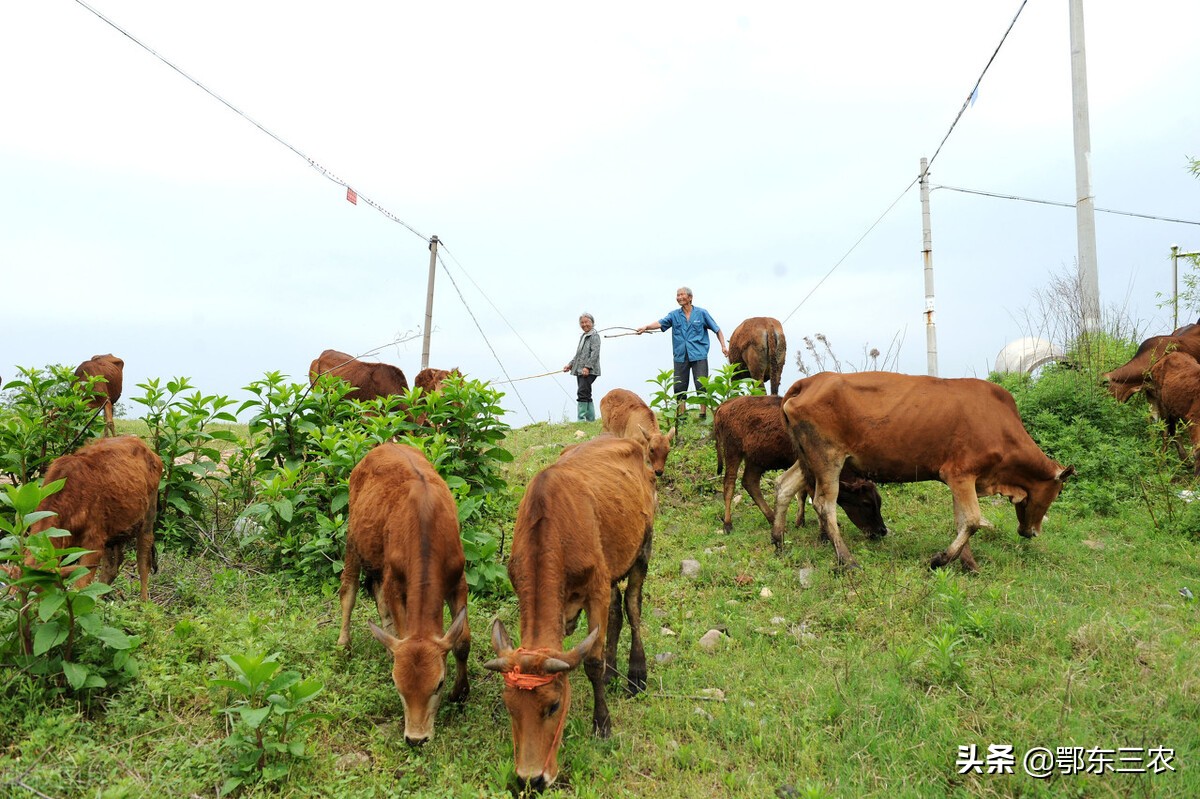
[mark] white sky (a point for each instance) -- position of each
(570, 158)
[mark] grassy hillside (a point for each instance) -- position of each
(824, 684)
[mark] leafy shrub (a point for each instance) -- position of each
(45, 415)
(718, 387)
(49, 629)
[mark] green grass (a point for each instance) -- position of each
(859, 684)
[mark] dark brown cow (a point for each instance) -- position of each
(403, 539)
(1126, 380)
(110, 498)
(430, 379)
(625, 415)
(108, 391)
(370, 380)
(752, 429)
(584, 524)
(1173, 391)
(759, 345)
(894, 428)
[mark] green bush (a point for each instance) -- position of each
(45, 415)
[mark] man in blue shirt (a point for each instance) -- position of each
(689, 343)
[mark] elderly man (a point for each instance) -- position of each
(689, 344)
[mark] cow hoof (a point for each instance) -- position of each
(602, 728)
(849, 566)
(939, 560)
(728, 527)
(459, 695)
(637, 681)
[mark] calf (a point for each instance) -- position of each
(1127, 379)
(751, 429)
(403, 539)
(758, 344)
(584, 524)
(370, 380)
(431, 379)
(107, 391)
(109, 498)
(625, 415)
(1173, 391)
(894, 428)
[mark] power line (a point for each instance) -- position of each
(311, 162)
(972, 94)
(853, 247)
(1065, 205)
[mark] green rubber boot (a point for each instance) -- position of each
(582, 411)
(591, 411)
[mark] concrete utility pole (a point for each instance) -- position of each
(1085, 212)
(433, 243)
(927, 251)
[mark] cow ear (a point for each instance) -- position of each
(455, 633)
(500, 640)
(1064, 473)
(645, 435)
(570, 660)
(384, 637)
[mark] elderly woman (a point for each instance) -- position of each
(586, 366)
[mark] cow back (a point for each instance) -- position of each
(370, 380)
(751, 427)
(1127, 379)
(759, 345)
(111, 368)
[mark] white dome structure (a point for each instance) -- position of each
(1027, 354)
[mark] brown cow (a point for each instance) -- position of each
(370, 380)
(1173, 391)
(751, 429)
(403, 538)
(759, 345)
(108, 391)
(110, 497)
(625, 415)
(1126, 380)
(894, 428)
(430, 379)
(584, 524)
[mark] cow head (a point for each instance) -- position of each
(860, 500)
(1031, 508)
(537, 694)
(419, 671)
(658, 446)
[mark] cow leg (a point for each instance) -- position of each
(825, 504)
(144, 543)
(787, 485)
(593, 662)
(752, 482)
(615, 621)
(1194, 436)
(462, 649)
(966, 521)
(110, 563)
(348, 592)
(633, 611)
(732, 464)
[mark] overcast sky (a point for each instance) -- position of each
(570, 158)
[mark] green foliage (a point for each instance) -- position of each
(718, 387)
(45, 415)
(307, 441)
(49, 629)
(264, 709)
(182, 432)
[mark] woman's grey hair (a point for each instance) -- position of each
(586, 315)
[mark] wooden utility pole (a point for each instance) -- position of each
(927, 252)
(433, 243)
(1085, 212)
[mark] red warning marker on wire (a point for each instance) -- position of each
(351, 196)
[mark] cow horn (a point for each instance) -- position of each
(554, 666)
(383, 636)
(571, 659)
(501, 665)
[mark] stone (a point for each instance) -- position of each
(710, 640)
(765, 593)
(805, 576)
(690, 568)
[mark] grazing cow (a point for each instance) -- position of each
(430, 379)
(110, 498)
(894, 428)
(1173, 391)
(370, 380)
(108, 391)
(625, 415)
(751, 429)
(759, 345)
(1126, 380)
(403, 539)
(584, 524)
